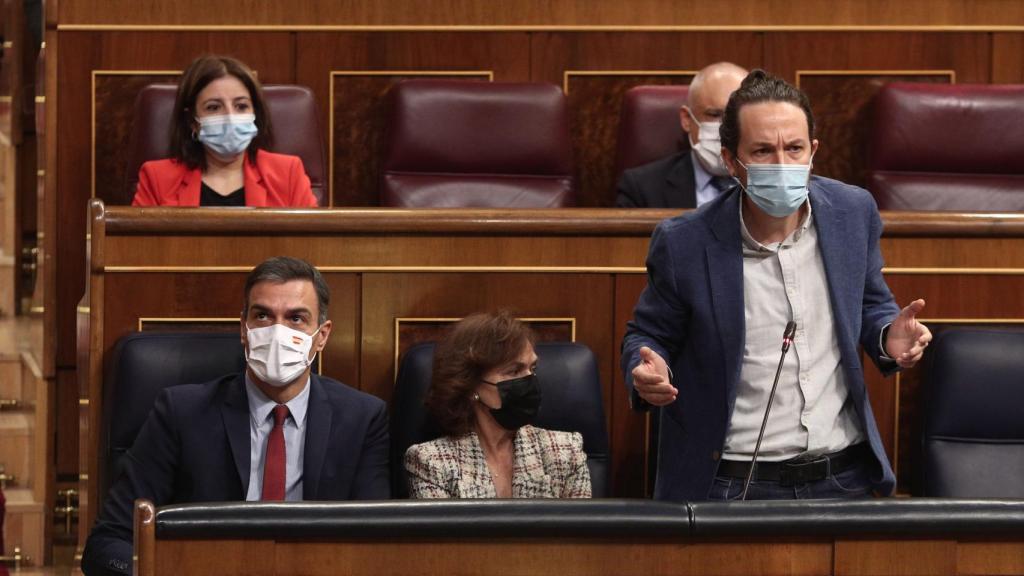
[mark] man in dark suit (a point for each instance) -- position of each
(724, 281)
(275, 432)
(698, 175)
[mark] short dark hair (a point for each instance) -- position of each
(760, 86)
(281, 269)
(185, 148)
(475, 345)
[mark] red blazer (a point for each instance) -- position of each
(276, 180)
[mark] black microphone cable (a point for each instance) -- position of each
(787, 339)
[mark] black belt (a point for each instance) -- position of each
(801, 469)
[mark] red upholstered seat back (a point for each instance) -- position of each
(948, 147)
(649, 125)
(459, 143)
(293, 116)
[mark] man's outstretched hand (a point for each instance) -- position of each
(907, 337)
(651, 379)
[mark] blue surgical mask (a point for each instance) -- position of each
(778, 189)
(227, 136)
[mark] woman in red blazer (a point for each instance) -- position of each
(219, 135)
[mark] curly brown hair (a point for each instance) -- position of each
(475, 345)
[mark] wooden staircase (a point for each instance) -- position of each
(24, 445)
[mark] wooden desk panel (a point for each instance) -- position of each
(567, 557)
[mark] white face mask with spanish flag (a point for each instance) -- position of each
(278, 354)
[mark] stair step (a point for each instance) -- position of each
(16, 446)
(23, 526)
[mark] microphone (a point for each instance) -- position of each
(787, 339)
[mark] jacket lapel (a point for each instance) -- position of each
(318, 433)
(528, 477)
(725, 275)
(830, 222)
(255, 192)
(189, 188)
(475, 481)
(235, 412)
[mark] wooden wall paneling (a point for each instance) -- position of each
(1008, 57)
(968, 53)
(990, 556)
(843, 69)
(596, 68)
(540, 12)
(945, 252)
(113, 119)
(909, 557)
(46, 285)
(631, 459)
(841, 101)
(587, 298)
(351, 72)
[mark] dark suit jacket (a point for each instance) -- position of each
(665, 183)
(194, 447)
(691, 313)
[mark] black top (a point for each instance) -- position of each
(209, 197)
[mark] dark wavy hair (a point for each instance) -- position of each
(185, 148)
(281, 269)
(760, 86)
(473, 346)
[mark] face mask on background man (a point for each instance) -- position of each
(709, 147)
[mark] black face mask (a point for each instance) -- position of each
(520, 401)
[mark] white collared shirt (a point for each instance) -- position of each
(261, 422)
(812, 411)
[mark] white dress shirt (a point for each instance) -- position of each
(812, 412)
(261, 422)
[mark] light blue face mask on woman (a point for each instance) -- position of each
(778, 189)
(227, 136)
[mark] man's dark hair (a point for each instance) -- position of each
(281, 269)
(185, 148)
(760, 86)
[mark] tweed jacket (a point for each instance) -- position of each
(548, 464)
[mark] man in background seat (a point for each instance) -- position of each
(695, 176)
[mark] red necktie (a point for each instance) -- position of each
(274, 467)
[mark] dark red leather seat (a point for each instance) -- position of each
(458, 143)
(948, 147)
(293, 114)
(649, 126)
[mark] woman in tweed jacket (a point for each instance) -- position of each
(483, 394)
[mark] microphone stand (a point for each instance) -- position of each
(787, 339)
